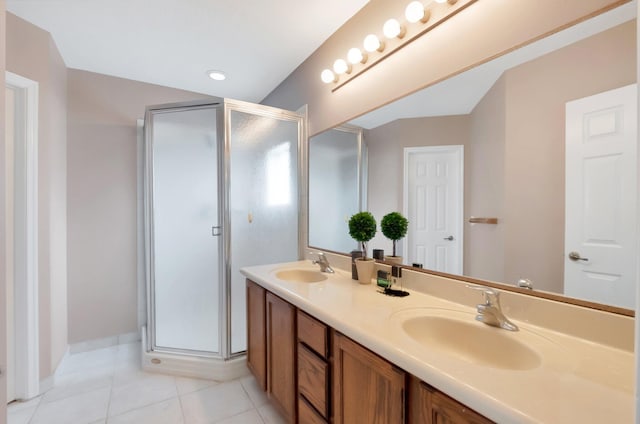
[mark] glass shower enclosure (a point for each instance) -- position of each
(221, 185)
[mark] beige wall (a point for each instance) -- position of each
(3, 298)
(487, 28)
(31, 53)
(514, 157)
(102, 200)
(484, 186)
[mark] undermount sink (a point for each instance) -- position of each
(301, 275)
(472, 341)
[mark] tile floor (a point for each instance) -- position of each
(107, 386)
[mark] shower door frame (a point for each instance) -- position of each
(218, 105)
(230, 106)
(224, 108)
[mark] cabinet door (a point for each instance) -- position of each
(281, 355)
(256, 333)
(445, 410)
(429, 406)
(366, 388)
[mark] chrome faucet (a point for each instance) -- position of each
(490, 312)
(323, 262)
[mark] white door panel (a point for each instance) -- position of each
(433, 206)
(601, 144)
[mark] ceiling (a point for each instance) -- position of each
(173, 43)
(459, 95)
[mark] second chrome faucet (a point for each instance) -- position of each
(490, 312)
(323, 262)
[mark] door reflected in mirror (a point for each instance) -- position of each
(509, 115)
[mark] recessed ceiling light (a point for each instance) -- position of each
(217, 75)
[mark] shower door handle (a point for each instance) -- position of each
(216, 231)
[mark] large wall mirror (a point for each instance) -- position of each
(499, 137)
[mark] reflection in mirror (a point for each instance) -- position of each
(336, 186)
(509, 116)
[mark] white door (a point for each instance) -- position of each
(600, 210)
(433, 204)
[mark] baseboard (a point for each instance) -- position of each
(104, 342)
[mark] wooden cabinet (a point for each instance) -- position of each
(281, 355)
(429, 406)
(313, 370)
(366, 388)
(315, 375)
(256, 333)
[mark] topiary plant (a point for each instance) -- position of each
(394, 227)
(362, 228)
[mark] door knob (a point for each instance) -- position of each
(575, 256)
(450, 238)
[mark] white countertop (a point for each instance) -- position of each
(578, 381)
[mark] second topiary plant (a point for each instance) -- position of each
(362, 228)
(394, 227)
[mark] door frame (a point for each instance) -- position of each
(458, 150)
(27, 357)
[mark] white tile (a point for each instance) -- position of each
(20, 415)
(249, 417)
(188, 385)
(19, 404)
(128, 375)
(129, 351)
(75, 384)
(78, 377)
(168, 412)
(215, 403)
(257, 396)
(140, 392)
(80, 409)
(270, 415)
(101, 359)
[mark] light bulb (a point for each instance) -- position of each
(341, 67)
(327, 76)
(355, 55)
(393, 29)
(415, 12)
(373, 43)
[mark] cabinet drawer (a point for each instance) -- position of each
(313, 333)
(313, 379)
(308, 415)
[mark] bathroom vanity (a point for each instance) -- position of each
(327, 349)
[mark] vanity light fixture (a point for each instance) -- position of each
(420, 19)
(340, 67)
(392, 29)
(217, 75)
(415, 12)
(355, 56)
(327, 76)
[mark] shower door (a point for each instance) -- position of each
(222, 193)
(264, 150)
(184, 246)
